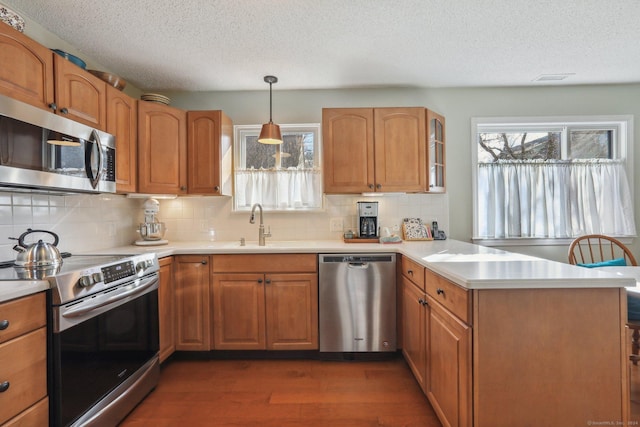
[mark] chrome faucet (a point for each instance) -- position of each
(252, 220)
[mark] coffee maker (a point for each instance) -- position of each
(367, 219)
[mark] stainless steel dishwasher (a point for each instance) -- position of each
(357, 298)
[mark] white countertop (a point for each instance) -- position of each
(468, 265)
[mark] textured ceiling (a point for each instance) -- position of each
(201, 45)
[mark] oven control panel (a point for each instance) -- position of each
(118, 271)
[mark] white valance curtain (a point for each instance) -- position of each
(279, 189)
(554, 199)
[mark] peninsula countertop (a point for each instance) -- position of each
(469, 266)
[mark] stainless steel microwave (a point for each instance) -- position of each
(42, 151)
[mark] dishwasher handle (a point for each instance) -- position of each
(359, 265)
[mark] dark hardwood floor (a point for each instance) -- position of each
(283, 393)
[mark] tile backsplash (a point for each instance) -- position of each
(92, 222)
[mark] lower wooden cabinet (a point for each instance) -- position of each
(448, 366)
(191, 275)
(23, 359)
(166, 309)
(265, 302)
(414, 322)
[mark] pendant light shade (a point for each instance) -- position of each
(270, 133)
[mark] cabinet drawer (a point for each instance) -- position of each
(451, 296)
(250, 263)
(23, 363)
(413, 271)
(22, 315)
(37, 415)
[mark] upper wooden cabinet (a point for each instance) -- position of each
(34, 74)
(209, 143)
(436, 155)
(162, 149)
(375, 150)
(80, 95)
(26, 73)
(122, 122)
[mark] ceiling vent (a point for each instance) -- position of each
(552, 77)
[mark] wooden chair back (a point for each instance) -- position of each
(594, 248)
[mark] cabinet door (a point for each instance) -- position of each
(122, 122)
(292, 311)
(26, 73)
(209, 142)
(238, 309)
(414, 329)
(400, 149)
(348, 151)
(166, 309)
(436, 135)
(80, 96)
(162, 149)
(191, 277)
(448, 378)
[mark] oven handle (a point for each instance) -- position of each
(144, 284)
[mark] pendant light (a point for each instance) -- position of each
(270, 133)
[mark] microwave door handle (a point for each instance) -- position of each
(95, 179)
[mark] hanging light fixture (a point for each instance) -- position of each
(270, 133)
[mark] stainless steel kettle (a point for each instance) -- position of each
(39, 254)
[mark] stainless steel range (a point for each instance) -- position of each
(103, 321)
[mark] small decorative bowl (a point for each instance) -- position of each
(11, 18)
(79, 62)
(115, 81)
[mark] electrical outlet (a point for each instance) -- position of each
(335, 224)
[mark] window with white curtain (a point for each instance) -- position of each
(549, 180)
(284, 177)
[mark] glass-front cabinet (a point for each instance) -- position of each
(436, 155)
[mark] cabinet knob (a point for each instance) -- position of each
(204, 261)
(4, 324)
(64, 110)
(267, 281)
(440, 291)
(53, 106)
(4, 386)
(183, 188)
(259, 280)
(371, 186)
(379, 186)
(410, 272)
(216, 188)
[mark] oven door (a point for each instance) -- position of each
(103, 348)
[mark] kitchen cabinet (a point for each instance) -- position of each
(209, 145)
(192, 276)
(375, 150)
(162, 149)
(448, 351)
(80, 95)
(26, 73)
(166, 309)
(122, 122)
(414, 321)
(265, 302)
(23, 360)
(34, 74)
(436, 154)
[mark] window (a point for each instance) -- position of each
(552, 179)
(284, 177)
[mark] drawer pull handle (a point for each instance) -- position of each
(410, 272)
(440, 291)
(423, 302)
(4, 324)
(4, 386)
